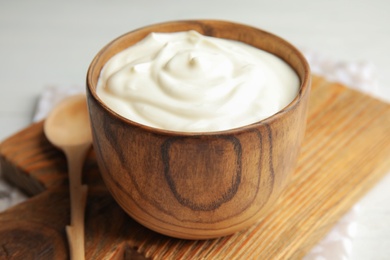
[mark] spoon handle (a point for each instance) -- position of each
(78, 199)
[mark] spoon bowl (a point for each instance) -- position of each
(68, 124)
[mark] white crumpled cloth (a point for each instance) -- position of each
(337, 245)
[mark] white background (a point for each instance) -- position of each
(45, 43)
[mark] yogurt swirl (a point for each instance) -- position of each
(189, 82)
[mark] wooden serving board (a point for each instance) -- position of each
(345, 152)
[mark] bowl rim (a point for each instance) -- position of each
(304, 87)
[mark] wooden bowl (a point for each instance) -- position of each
(198, 185)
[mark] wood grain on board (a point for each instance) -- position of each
(346, 151)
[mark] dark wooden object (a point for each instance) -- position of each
(199, 185)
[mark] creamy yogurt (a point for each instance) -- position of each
(185, 81)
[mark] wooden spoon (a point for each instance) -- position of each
(68, 128)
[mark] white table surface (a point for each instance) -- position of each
(45, 43)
